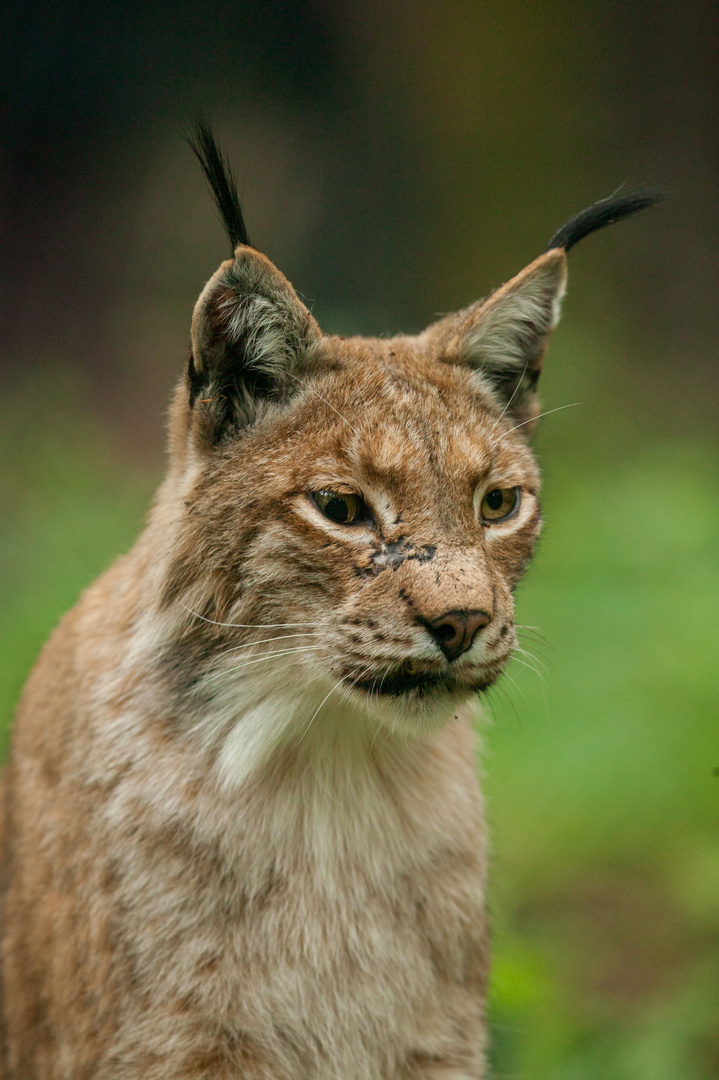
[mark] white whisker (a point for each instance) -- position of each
(506, 407)
(501, 691)
(327, 403)
(266, 641)
(515, 684)
(245, 626)
(259, 659)
(312, 718)
(538, 639)
(533, 418)
(536, 671)
(530, 656)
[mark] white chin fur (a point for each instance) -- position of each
(251, 718)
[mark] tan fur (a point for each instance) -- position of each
(227, 863)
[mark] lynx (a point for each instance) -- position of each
(243, 832)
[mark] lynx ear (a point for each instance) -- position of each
(504, 337)
(249, 333)
(249, 329)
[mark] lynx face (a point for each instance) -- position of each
(440, 519)
(382, 520)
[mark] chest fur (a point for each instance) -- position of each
(329, 896)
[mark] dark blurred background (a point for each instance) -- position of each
(399, 160)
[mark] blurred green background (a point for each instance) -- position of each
(398, 160)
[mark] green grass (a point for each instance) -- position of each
(599, 772)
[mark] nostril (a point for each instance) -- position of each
(444, 632)
(454, 631)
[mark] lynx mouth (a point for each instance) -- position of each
(394, 683)
(405, 680)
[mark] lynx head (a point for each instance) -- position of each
(346, 520)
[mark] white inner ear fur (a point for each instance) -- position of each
(510, 329)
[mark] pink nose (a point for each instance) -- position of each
(455, 630)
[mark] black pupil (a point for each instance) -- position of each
(338, 510)
(495, 500)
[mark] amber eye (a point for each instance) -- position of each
(344, 509)
(500, 504)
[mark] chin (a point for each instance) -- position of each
(413, 703)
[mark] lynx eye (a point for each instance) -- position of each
(499, 504)
(343, 509)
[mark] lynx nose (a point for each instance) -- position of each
(454, 631)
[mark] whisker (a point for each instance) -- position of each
(506, 407)
(536, 671)
(314, 714)
(259, 659)
(515, 684)
(537, 643)
(530, 656)
(246, 626)
(312, 390)
(266, 641)
(540, 640)
(501, 691)
(535, 631)
(381, 682)
(379, 726)
(363, 670)
(533, 418)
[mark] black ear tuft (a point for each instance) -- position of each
(604, 212)
(219, 175)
